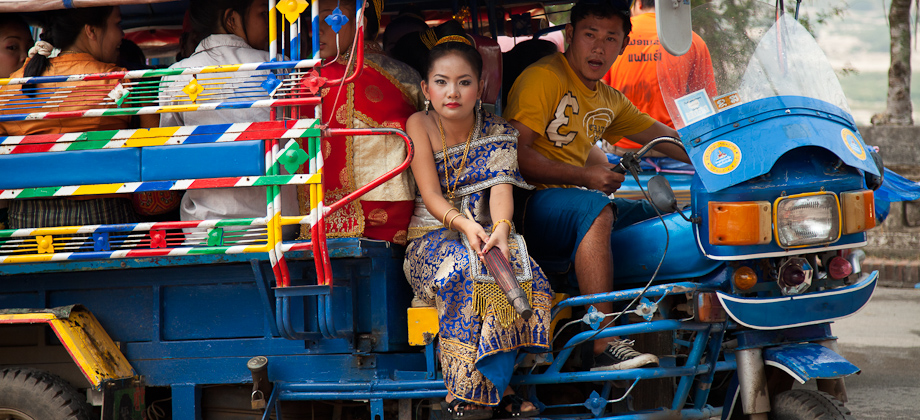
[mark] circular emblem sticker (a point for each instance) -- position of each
(856, 148)
(721, 157)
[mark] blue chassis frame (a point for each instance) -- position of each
(190, 321)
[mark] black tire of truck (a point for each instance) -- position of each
(30, 394)
(807, 404)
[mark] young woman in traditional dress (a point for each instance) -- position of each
(466, 166)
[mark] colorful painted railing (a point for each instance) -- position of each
(288, 142)
(187, 237)
(144, 92)
(171, 238)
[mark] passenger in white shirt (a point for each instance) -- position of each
(231, 32)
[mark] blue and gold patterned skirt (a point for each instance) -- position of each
(477, 353)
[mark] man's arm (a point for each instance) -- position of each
(538, 168)
(596, 156)
(658, 130)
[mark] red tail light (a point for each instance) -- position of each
(839, 268)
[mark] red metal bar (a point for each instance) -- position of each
(410, 149)
(359, 61)
(302, 246)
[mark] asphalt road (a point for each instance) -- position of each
(884, 341)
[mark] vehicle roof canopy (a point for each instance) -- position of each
(41, 5)
(134, 13)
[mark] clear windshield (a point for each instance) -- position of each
(753, 54)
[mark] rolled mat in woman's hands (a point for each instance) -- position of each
(500, 268)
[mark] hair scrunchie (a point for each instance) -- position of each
(41, 48)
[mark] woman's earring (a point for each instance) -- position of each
(427, 104)
(479, 105)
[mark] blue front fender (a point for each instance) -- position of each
(799, 310)
(805, 361)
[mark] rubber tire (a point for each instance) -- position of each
(807, 404)
(41, 395)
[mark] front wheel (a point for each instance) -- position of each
(29, 394)
(806, 404)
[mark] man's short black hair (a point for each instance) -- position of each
(602, 9)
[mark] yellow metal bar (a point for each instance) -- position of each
(98, 189)
(221, 69)
(64, 230)
(423, 325)
(146, 141)
(90, 347)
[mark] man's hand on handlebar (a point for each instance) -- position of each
(601, 177)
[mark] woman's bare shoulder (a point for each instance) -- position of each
(420, 122)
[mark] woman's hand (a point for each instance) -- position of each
(475, 234)
(498, 239)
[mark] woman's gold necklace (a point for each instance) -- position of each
(447, 162)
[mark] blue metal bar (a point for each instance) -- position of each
(431, 361)
(328, 318)
(321, 317)
(643, 327)
(624, 295)
(264, 297)
(705, 383)
(615, 375)
(308, 290)
(279, 319)
(272, 404)
(608, 387)
(372, 386)
(688, 414)
(283, 307)
(186, 400)
(156, 314)
(693, 359)
(376, 409)
(606, 375)
(320, 313)
(395, 395)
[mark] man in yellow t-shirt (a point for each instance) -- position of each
(561, 109)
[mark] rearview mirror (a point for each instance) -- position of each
(661, 194)
(673, 22)
(874, 182)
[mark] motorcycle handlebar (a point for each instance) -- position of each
(631, 159)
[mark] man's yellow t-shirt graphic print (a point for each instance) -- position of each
(596, 122)
(566, 109)
(561, 131)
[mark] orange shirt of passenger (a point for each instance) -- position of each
(82, 95)
(635, 73)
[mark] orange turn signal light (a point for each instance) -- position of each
(708, 308)
(858, 209)
(744, 278)
(741, 223)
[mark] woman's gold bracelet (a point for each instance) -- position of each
(444, 219)
(510, 225)
(451, 222)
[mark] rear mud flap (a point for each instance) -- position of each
(808, 360)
